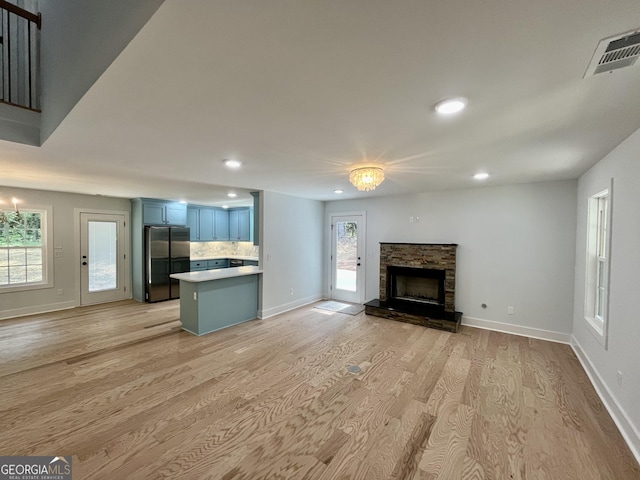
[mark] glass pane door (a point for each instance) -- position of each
(103, 253)
(102, 267)
(346, 255)
(347, 264)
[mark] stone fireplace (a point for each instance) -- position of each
(417, 285)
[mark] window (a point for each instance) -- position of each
(601, 258)
(23, 253)
(597, 271)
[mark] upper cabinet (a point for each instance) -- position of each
(160, 212)
(221, 224)
(240, 224)
(255, 217)
(193, 222)
(208, 224)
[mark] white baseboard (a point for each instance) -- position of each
(549, 335)
(51, 307)
(270, 312)
(628, 430)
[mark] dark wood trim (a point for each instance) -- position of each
(21, 12)
(4, 102)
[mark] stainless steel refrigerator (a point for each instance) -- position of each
(167, 251)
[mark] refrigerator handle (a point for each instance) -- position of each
(148, 253)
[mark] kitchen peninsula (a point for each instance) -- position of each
(214, 299)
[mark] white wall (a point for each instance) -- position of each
(291, 252)
(622, 353)
(64, 233)
(516, 248)
(79, 40)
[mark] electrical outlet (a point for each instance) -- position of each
(60, 291)
(510, 311)
(58, 254)
(619, 379)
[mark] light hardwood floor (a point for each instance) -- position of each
(131, 396)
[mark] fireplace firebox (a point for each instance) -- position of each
(415, 285)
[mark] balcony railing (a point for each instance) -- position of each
(19, 56)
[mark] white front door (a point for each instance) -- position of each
(347, 258)
(102, 258)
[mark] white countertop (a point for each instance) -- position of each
(209, 275)
(219, 257)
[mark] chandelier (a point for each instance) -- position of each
(4, 217)
(366, 178)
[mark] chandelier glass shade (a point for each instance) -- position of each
(366, 178)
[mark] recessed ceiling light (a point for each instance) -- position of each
(338, 191)
(451, 105)
(232, 195)
(232, 163)
(481, 176)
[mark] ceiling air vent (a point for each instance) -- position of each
(615, 52)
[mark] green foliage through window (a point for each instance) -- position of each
(21, 248)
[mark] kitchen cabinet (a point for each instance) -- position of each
(218, 299)
(214, 264)
(255, 217)
(221, 224)
(193, 222)
(208, 224)
(160, 212)
(240, 224)
(199, 265)
(219, 263)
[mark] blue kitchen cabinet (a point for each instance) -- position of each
(240, 224)
(221, 224)
(199, 265)
(161, 212)
(218, 263)
(208, 224)
(193, 222)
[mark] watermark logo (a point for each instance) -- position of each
(35, 468)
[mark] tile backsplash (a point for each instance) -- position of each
(221, 249)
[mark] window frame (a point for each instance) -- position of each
(598, 263)
(46, 228)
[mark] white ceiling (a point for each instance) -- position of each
(303, 91)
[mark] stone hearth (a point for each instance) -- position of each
(430, 269)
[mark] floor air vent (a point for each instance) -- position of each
(615, 52)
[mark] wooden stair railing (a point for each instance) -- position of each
(19, 56)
